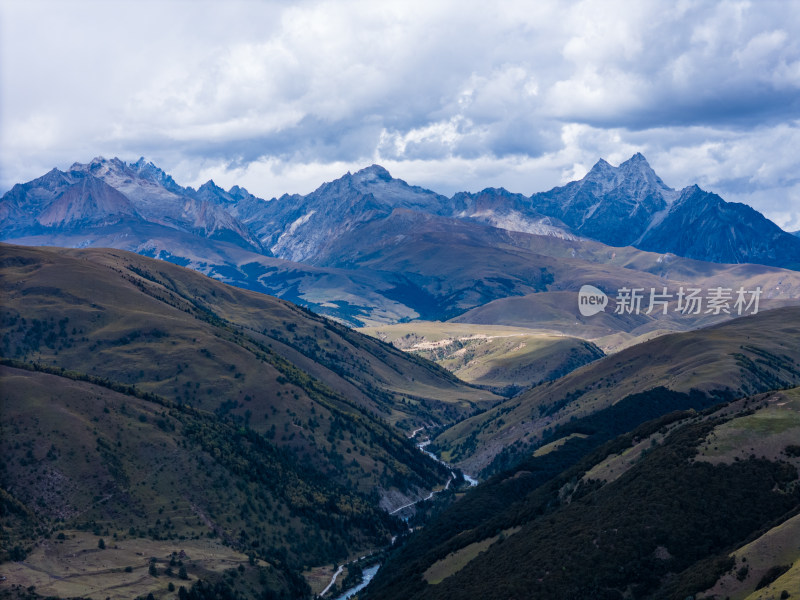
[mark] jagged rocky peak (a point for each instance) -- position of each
(84, 167)
(372, 173)
(239, 192)
(364, 179)
(141, 163)
(495, 191)
(692, 193)
(148, 170)
(100, 166)
(210, 186)
(382, 189)
(465, 203)
(359, 181)
(211, 192)
(634, 175)
(240, 195)
(53, 177)
(601, 170)
(637, 159)
(638, 167)
(129, 175)
(99, 161)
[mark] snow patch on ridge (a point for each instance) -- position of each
(292, 228)
(516, 221)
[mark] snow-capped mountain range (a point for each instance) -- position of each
(619, 206)
(368, 247)
(104, 192)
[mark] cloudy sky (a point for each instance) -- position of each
(282, 96)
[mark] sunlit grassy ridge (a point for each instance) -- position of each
(740, 357)
(504, 358)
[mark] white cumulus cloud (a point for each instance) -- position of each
(281, 96)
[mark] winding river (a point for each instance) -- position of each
(470, 480)
(370, 572)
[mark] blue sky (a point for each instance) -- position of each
(282, 96)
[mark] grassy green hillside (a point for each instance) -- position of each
(693, 504)
(740, 357)
(772, 559)
(149, 405)
(305, 382)
(507, 359)
(84, 462)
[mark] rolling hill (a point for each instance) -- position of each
(693, 504)
(85, 463)
(668, 469)
(135, 312)
(146, 402)
(740, 357)
(506, 359)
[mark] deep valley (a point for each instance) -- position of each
(210, 395)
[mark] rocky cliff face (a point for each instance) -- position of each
(611, 205)
(505, 210)
(62, 201)
(104, 192)
(702, 225)
(302, 228)
(630, 205)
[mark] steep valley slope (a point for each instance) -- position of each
(742, 356)
(694, 504)
(144, 401)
